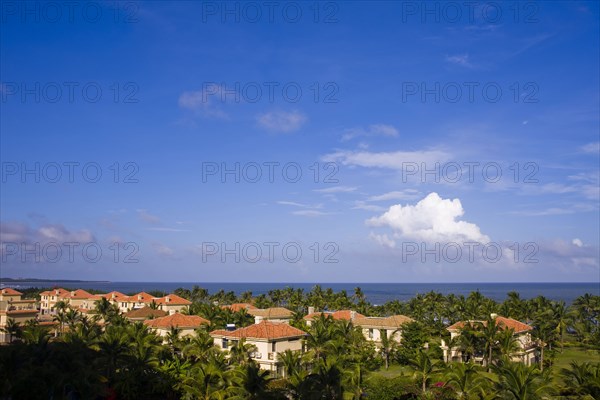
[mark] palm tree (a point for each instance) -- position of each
(113, 348)
(424, 367)
(489, 331)
(584, 378)
(206, 381)
(561, 319)
(240, 352)
(250, 383)
(12, 329)
(466, 380)
(387, 346)
(199, 346)
(291, 360)
(519, 382)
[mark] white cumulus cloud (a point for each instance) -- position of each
(281, 121)
(432, 219)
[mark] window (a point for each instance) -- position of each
(273, 347)
(224, 344)
(370, 333)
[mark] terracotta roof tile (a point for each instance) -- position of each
(271, 313)
(263, 330)
(177, 320)
(78, 294)
(141, 297)
(173, 299)
(502, 322)
(393, 321)
(10, 292)
(337, 315)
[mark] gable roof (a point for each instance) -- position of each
(145, 312)
(141, 297)
(393, 321)
(337, 315)
(502, 323)
(265, 330)
(177, 320)
(115, 294)
(78, 294)
(53, 292)
(10, 292)
(172, 299)
(271, 313)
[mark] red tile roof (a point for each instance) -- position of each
(502, 322)
(117, 295)
(173, 299)
(10, 292)
(78, 294)
(263, 330)
(141, 297)
(61, 292)
(177, 320)
(337, 315)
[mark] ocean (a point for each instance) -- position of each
(376, 293)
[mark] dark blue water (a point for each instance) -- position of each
(376, 293)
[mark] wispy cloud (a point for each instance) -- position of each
(371, 130)
(202, 102)
(460, 59)
(397, 160)
(310, 213)
(281, 121)
(337, 189)
(145, 216)
(591, 148)
(407, 194)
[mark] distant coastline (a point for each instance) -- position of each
(18, 280)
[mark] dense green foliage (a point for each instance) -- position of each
(82, 358)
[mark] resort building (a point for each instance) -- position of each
(142, 314)
(375, 327)
(235, 307)
(340, 315)
(14, 308)
(186, 324)
(86, 302)
(527, 348)
(270, 339)
(273, 314)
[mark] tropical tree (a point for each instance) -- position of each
(465, 379)
(520, 382)
(424, 367)
(12, 329)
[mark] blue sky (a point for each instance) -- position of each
(370, 95)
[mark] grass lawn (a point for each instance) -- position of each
(393, 371)
(578, 354)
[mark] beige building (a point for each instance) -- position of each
(142, 314)
(270, 339)
(186, 324)
(527, 348)
(273, 314)
(13, 307)
(374, 327)
(86, 302)
(340, 315)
